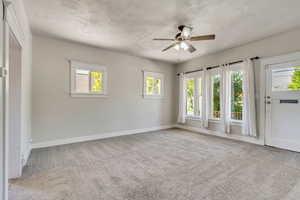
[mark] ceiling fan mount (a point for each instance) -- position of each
(183, 37)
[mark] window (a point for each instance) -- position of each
(217, 88)
(153, 85)
(87, 79)
(194, 95)
(286, 79)
(200, 99)
(215, 94)
(236, 81)
(190, 97)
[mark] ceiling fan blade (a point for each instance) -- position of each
(163, 39)
(203, 37)
(169, 47)
(191, 48)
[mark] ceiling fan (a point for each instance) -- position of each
(183, 38)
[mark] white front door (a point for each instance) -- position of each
(283, 105)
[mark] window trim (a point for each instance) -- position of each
(74, 65)
(157, 75)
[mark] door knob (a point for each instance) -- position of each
(268, 102)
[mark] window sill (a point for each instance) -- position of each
(236, 122)
(152, 97)
(89, 95)
(193, 118)
(232, 122)
(217, 121)
(214, 120)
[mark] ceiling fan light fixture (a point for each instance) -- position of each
(183, 38)
(184, 45)
(177, 47)
(186, 32)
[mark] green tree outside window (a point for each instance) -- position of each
(295, 84)
(237, 95)
(97, 82)
(216, 83)
(190, 93)
(153, 86)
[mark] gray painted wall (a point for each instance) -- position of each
(56, 115)
(272, 46)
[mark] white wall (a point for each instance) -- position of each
(56, 115)
(272, 46)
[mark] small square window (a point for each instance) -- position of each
(153, 84)
(87, 79)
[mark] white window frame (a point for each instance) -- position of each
(211, 73)
(197, 108)
(157, 75)
(76, 65)
(234, 68)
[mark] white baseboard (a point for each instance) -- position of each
(284, 144)
(136, 131)
(220, 134)
(96, 137)
(26, 155)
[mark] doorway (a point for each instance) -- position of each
(14, 108)
(282, 102)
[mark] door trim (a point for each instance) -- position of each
(265, 62)
(13, 26)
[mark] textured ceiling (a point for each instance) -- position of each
(130, 25)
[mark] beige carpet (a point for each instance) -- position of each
(171, 164)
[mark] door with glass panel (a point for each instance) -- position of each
(283, 105)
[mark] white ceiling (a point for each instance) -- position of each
(130, 25)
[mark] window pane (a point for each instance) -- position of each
(237, 95)
(286, 79)
(149, 85)
(156, 88)
(200, 96)
(153, 86)
(190, 97)
(82, 81)
(96, 81)
(216, 84)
